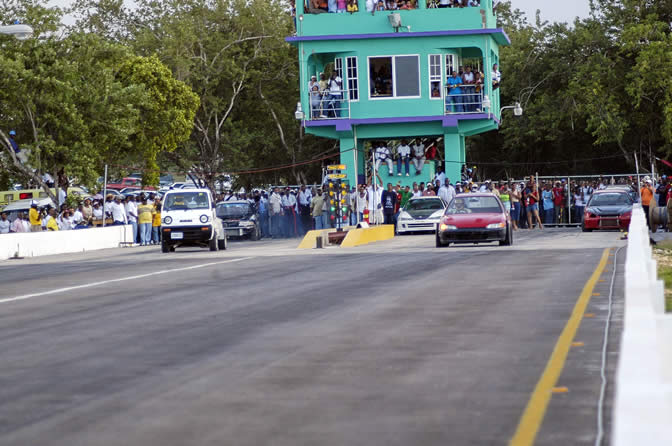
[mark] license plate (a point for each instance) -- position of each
(177, 235)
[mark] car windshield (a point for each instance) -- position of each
(610, 199)
(474, 205)
(433, 204)
(232, 209)
(186, 200)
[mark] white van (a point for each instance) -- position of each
(188, 218)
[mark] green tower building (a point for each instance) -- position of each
(394, 66)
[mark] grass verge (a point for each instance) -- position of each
(663, 254)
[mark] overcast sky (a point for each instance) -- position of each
(552, 10)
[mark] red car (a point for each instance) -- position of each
(474, 218)
(608, 209)
(130, 183)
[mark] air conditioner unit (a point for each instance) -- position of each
(395, 20)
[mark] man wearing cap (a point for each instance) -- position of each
(313, 82)
(646, 193)
(34, 218)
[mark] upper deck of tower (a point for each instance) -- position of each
(424, 17)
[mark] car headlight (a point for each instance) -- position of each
(496, 225)
(167, 220)
(204, 218)
(405, 216)
(246, 223)
(445, 227)
(436, 214)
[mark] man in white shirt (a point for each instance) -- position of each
(335, 95)
(18, 225)
(107, 206)
(361, 202)
(118, 212)
(485, 187)
(63, 222)
(97, 211)
(440, 177)
(403, 155)
(496, 77)
(290, 211)
(418, 156)
(447, 191)
(469, 80)
(77, 217)
(383, 155)
(4, 224)
(62, 195)
(132, 216)
(304, 209)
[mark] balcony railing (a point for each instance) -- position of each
(461, 99)
(329, 105)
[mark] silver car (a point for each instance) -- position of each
(420, 214)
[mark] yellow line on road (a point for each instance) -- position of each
(533, 416)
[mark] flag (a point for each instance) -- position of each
(667, 163)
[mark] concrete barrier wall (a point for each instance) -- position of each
(31, 244)
(642, 411)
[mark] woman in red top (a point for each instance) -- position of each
(532, 202)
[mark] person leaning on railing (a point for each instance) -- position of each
(454, 97)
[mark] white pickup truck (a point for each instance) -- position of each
(188, 218)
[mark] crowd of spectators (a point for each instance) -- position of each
(144, 216)
(286, 212)
(326, 96)
(351, 6)
(465, 89)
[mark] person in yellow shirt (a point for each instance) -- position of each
(145, 221)
(156, 222)
(35, 219)
(52, 225)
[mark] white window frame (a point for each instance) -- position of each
(433, 77)
(394, 77)
(338, 67)
(450, 66)
(354, 69)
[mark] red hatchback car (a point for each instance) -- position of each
(608, 209)
(474, 218)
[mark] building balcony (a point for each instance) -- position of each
(425, 19)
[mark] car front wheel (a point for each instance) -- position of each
(439, 243)
(508, 241)
(255, 234)
(212, 244)
(165, 247)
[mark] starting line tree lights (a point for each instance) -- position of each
(337, 192)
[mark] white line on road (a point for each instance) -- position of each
(122, 279)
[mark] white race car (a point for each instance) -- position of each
(420, 214)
